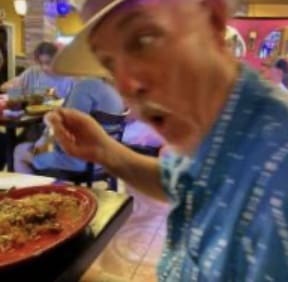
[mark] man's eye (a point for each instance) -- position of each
(141, 42)
(146, 40)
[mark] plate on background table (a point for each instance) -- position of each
(55, 103)
(39, 109)
(45, 218)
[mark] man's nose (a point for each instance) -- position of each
(130, 84)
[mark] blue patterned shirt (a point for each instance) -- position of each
(229, 221)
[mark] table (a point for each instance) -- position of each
(11, 125)
(69, 262)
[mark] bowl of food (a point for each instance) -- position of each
(38, 109)
(35, 99)
(36, 220)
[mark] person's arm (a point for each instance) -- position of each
(82, 137)
(141, 172)
(12, 83)
(20, 81)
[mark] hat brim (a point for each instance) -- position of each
(77, 59)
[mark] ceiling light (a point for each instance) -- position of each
(21, 7)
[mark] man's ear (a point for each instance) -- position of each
(218, 10)
(230, 6)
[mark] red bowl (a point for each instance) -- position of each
(36, 248)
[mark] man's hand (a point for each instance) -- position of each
(79, 134)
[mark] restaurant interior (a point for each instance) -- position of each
(128, 231)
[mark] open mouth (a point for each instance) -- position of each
(157, 120)
(155, 114)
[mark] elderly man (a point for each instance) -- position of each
(227, 178)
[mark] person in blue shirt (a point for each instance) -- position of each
(87, 96)
(39, 78)
(227, 177)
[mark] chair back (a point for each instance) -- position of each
(114, 125)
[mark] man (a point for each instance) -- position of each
(39, 78)
(227, 181)
(280, 73)
(87, 96)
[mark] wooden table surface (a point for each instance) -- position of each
(69, 262)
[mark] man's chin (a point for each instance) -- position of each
(181, 150)
(184, 148)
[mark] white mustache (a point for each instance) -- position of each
(155, 108)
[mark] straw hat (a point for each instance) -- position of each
(77, 58)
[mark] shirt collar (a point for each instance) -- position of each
(199, 157)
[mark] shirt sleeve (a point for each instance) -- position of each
(21, 84)
(170, 172)
(80, 98)
(69, 87)
(26, 78)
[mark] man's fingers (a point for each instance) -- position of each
(56, 122)
(72, 117)
(53, 118)
(62, 135)
(70, 148)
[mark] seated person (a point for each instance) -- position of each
(280, 74)
(39, 79)
(87, 96)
